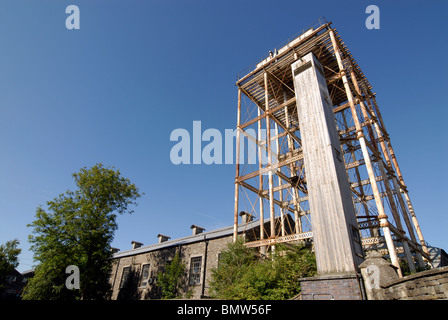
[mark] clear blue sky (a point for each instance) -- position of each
(115, 89)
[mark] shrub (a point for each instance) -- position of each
(240, 275)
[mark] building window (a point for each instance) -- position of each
(145, 276)
(195, 270)
(125, 277)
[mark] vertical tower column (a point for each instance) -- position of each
(270, 173)
(335, 229)
(260, 190)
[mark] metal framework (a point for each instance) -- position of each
(274, 189)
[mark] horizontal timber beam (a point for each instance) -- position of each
(273, 167)
(273, 241)
(270, 111)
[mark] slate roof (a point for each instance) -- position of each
(207, 235)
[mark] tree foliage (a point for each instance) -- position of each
(171, 281)
(241, 275)
(9, 253)
(77, 228)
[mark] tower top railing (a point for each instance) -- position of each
(318, 23)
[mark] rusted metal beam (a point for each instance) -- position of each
(274, 241)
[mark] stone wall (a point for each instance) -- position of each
(381, 281)
(426, 285)
(208, 250)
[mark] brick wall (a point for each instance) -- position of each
(331, 287)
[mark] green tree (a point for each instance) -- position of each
(9, 253)
(240, 275)
(77, 228)
(172, 280)
(234, 263)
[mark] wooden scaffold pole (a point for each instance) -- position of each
(369, 112)
(280, 192)
(373, 231)
(237, 166)
(260, 190)
(385, 178)
(270, 173)
(295, 195)
(400, 177)
(384, 224)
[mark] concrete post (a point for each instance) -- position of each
(335, 229)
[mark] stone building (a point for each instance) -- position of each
(134, 273)
(12, 286)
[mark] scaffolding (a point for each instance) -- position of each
(272, 186)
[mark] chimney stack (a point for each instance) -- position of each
(136, 244)
(246, 217)
(196, 229)
(114, 250)
(162, 238)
